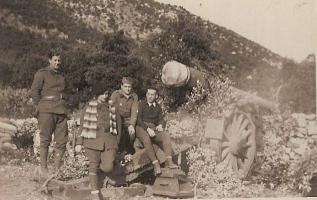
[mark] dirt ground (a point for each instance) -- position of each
(16, 184)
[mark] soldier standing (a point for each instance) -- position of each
(126, 103)
(100, 140)
(47, 93)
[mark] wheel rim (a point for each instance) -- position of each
(238, 147)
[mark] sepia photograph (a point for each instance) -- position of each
(158, 99)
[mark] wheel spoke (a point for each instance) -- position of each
(224, 153)
(240, 163)
(246, 133)
(244, 124)
(228, 131)
(234, 164)
(227, 160)
(238, 122)
(235, 123)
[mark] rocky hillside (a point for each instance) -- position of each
(28, 29)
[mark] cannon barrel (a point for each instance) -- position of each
(247, 97)
(175, 74)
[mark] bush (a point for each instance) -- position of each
(282, 164)
(214, 180)
(13, 103)
(27, 129)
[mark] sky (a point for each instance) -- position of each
(287, 27)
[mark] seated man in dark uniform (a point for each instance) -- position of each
(150, 128)
(100, 139)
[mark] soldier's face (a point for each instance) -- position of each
(55, 62)
(151, 95)
(126, 88)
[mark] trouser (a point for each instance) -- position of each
(50, 123)
(99, 161)
(126, 144)
(162, 139)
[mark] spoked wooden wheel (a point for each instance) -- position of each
(238, 148)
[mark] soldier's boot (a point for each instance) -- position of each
(58, 160)
(170, 164)
(157, 168)
(42, 172)
(95, 193)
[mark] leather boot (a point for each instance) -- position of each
(58, 160)
(40, 174)
(157, 168)
(43, 156)
(93, 180)
(169, 163)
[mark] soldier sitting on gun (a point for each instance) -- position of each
(150, 129)
(100, 138)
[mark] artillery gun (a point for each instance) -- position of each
(236, 137)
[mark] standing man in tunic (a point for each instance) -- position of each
(47, 93)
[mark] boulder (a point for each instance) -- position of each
(312, 129)
(301, 132)
(311, 117)
(301, 119)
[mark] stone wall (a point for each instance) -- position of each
(304, 133)
(7, 131)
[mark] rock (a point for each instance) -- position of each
(301, 121)
(8, 146)
(7, 127)
(301, 150)
(312, 129)
(311, 117)
(301, 132)
(5, 137)
(297, 142)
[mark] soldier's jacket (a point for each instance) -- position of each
(104, 139)
(127, 106)
(47, 91)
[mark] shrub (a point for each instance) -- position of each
(282, 164)
(13, 103)
(27, 129)
(214, 180)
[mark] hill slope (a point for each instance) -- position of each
(30, 28)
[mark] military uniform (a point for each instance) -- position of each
(127, 108)
(101, 146)
(102, 149)
(47, 92)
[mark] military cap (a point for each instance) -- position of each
(127, 80)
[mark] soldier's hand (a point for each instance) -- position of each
(131, 131)
(102, 98)
(151, 132)
(36, 112)
(78, 148)
(159, 128)
(30, 102)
